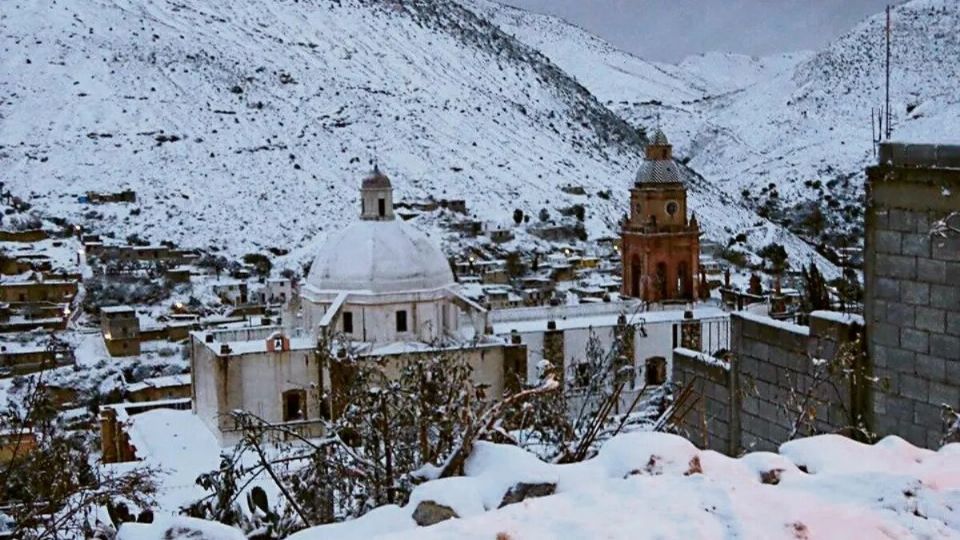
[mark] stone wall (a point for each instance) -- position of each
(912, 282)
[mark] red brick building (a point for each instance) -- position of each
(660, 246)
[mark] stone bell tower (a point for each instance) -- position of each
(660, 247)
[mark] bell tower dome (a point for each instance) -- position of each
(376, 197)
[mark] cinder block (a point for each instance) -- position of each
(926, 415)
(897, 266)
(902, 220)
(944, 346)
(914, 340)
(952, 273)
(916, 293)
(888, 242)
(931, 271)
(930, 368)
(930, 319)
(886, 334)
(945, 296)
(915, 244)
(915, 388)
(900, 314)
(953, 324)
(946, 249)
(887, 288)
(944, 394)
(953, 370)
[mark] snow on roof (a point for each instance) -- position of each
(160, 382)
(181, 445)
(116, 309)
(381, 257)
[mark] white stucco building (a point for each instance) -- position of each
(380, 287)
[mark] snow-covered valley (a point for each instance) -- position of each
(246, 126)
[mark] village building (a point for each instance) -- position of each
(660, 245)
(121, 330)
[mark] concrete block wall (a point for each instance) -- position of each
(774, 370)
(713, 422)
(780, 372)
(912, 282)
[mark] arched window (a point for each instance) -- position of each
(655, 372)
(682, 277)
(662, 280)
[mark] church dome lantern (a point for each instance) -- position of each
(658, 166)
(379, 254)
(376, 197)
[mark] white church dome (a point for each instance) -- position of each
(380, 256)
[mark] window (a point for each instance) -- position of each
(581, 377)
(278, 343)
(347, 322)
(401, 321)
(294, 405)
(656, 371)
(381, 207)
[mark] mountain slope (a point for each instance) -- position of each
(791, 133)
(246, 125)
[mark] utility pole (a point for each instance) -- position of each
(888, 114)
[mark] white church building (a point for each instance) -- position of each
(379, 286)
(385, 289)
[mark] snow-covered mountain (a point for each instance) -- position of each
(247, 124)
(793, 131)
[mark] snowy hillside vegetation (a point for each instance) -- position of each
(789, 134)
(246, 125)
(655, 485)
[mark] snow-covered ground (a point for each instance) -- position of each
(653, 485)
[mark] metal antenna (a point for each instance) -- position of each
(889, 116)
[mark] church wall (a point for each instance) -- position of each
(488, 364)
(659, 340)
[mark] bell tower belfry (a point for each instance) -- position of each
(660, 247)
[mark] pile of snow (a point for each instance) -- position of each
(654, 485)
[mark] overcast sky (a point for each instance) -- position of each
(669, 30)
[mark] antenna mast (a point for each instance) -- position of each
(888, 115)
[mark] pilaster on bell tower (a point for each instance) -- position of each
(376, 197)
(660, 246)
